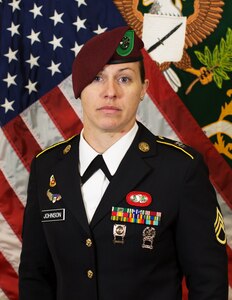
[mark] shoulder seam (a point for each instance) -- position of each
(175, 146)
(54, 145)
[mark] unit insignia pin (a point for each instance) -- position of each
(53, 197)
(67, 149)
(144, 147)
(52, 182)
(137, 198)
(119, 232)
(148, 237)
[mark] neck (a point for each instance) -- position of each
(101, 141)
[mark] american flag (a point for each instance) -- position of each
(38, 43)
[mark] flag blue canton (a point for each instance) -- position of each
(39, 41)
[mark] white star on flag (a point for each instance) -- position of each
(11, 55)
(56, 42)
(33, 61)
(13, 29)
(57, 18)
(34, 36)
(36, 10)
(54, 68)
(31, 86)
(81, 2)
(10, 80)
(80, 23)
(76, 48)
(15, 5)
(8, 105)
(100, 29)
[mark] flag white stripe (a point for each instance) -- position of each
(67, 89)
(13, 169)
(10, 245)
(3, 296)
(230, 293)
(41, 125)
(151, 117)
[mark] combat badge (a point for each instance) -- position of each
(53, 197)
(148, 237)
(137, 198)
(119, 232)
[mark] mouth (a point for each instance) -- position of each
(108, 109)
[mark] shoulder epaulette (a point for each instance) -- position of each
(175, 144)
(55, 145)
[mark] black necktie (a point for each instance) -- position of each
(96, 164)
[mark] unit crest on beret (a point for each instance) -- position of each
(175, 144)
(66, 149)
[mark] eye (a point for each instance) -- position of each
(97, 78)
(124, 79)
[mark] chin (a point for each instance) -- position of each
(109, 122)
(110, 127)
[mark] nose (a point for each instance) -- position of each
(111, 89)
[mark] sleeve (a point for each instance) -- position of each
(37, 279)
(200, 236)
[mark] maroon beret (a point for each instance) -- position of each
(119, 45)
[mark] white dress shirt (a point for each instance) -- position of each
(94, 188)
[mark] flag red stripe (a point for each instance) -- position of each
(183, 124)
(25, 147)
(8, 279)
(10, 206)
(61, 113)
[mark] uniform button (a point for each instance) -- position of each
(88, 243)
(90, 274)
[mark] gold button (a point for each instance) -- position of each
(90, 274)
(88, 243)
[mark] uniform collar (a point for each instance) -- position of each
(112, 156)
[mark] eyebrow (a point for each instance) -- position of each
(120, 70)
(126, 69)
(123, 69)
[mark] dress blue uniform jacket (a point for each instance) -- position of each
(65, 258)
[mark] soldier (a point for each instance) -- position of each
(116, 212)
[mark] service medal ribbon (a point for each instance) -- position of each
(138, 216)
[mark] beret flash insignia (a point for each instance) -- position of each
(126, 44)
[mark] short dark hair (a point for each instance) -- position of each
(142, 70)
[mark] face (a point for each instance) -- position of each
(110, 102)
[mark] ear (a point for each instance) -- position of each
(145, 87)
